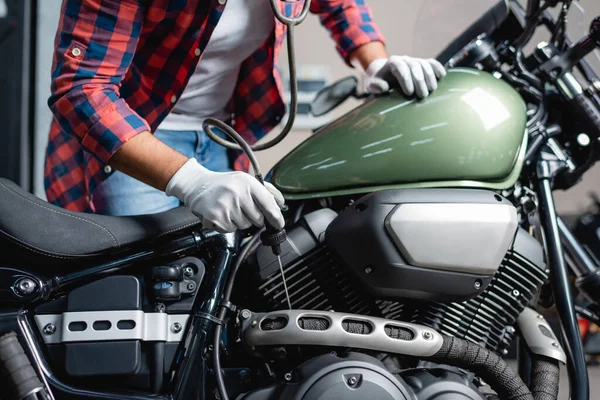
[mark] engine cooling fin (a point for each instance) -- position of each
(318, 281)
(486, 319)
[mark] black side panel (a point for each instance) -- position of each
(57, 306)
(359, 238)
(111, 358)
(112, 293)
(528, 247)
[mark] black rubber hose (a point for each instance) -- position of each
(21, 375)
(545, 376)
(158, 360)
(485, 364)
(223, 312)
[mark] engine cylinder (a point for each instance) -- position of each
(317, 279)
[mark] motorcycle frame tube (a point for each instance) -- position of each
(561, 289)
(582, 262)
(59, 284)
(191, 370)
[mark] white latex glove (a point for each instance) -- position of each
(411, 74)
(226, 201)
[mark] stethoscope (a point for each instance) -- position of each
(238, 142)
(270, 236)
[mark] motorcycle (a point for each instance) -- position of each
(421, 241)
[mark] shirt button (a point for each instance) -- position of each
(173, 99)
(108, 169)
(76, 52)
(222, 2)
(197, 52)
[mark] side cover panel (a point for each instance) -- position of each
(435, 250)
(468, 237)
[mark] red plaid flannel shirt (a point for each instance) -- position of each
(120, 65)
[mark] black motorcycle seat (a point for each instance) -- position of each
(44, 232)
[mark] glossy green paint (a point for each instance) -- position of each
(469, 133)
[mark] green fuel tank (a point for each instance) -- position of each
(471, 132)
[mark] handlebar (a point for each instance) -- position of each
(568, 85)
(588, 112)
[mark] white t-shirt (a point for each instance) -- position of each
(242, 29)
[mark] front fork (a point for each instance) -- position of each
(559, 278)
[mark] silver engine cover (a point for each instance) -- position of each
(465, 237)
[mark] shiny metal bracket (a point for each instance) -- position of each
(92, 326)
(538, 335)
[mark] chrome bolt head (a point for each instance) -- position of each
(288, 377)
(427, 335)
(477, 284)
(368, 270)
(176, 327)
(25, 286)
(254, 323)
(245, 314)
(555, 344)
(191, 286)
(188, 271)
(516, 293)
(49, 329)
(352, 381)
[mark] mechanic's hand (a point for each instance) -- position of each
(411, 74)
(226, 201)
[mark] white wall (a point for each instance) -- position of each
(415, 27)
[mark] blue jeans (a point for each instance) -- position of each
(121, 194)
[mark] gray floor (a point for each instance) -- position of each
(594, 375)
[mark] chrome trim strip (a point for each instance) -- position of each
(425, 341)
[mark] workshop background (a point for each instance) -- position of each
(416, 27)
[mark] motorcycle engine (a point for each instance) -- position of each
(451, 259)
(358, 376)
